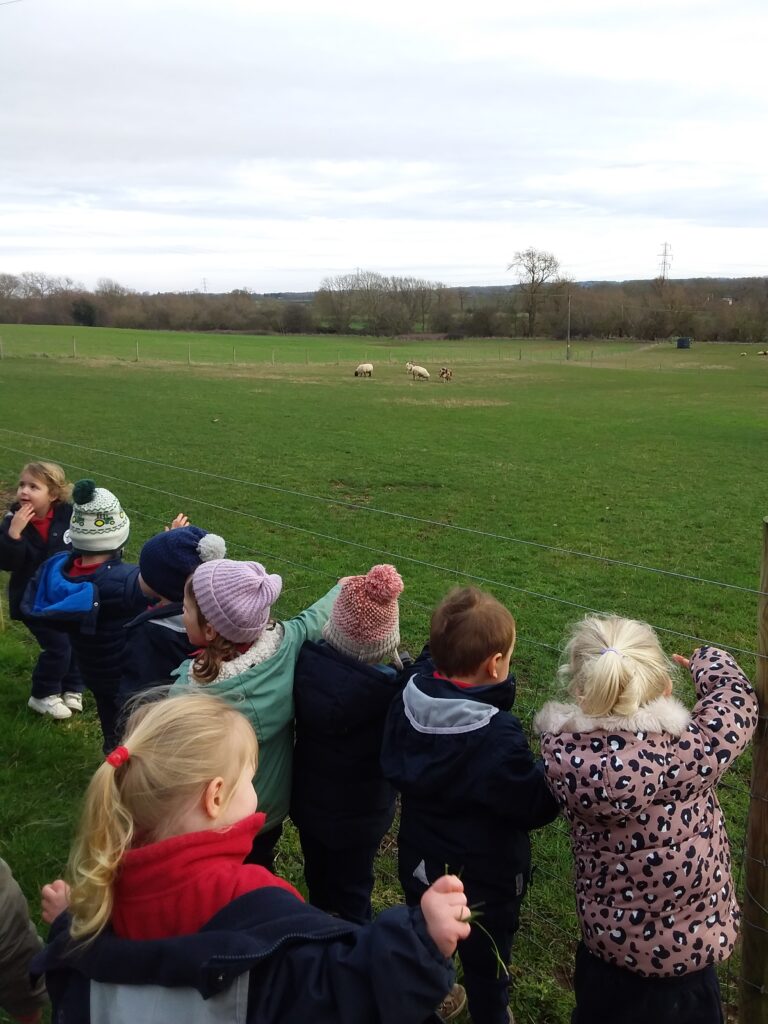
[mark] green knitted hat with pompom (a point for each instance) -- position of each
(98, 524)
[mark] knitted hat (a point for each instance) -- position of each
(168, 558)
(365, 619)
(235, 597)
(98, 522)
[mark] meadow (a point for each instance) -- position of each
(557, 484)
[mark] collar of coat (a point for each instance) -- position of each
(665, 714)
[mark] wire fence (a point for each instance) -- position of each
(315, 556)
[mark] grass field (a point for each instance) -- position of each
(638, 453)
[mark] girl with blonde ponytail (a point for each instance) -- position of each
(634, 772)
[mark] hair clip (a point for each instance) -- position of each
(118, 756)
(612, 650)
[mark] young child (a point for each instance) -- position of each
(91, 593)
(157, 642)
(249, 659)
(340, 803)
(169, 925)
(471, 789)
(635, 773)
(34, 528)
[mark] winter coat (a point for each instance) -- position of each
(93, 610)
(156, 643)
(653, 869)
(339, 794)
(261, 687)
(266, 958)
(23, 557)
(471, 788)
(19, 942)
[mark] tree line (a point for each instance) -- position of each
(538, 301)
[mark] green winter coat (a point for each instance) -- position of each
(264, 694)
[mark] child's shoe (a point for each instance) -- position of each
(74, 701)
(53, 706)
(453, 1004)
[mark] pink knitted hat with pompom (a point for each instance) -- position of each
(236, 597)
(365, 619)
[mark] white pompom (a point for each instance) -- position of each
(211, 546)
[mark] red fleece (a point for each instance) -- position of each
(43, 526)
(175, 886)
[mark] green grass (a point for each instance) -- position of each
(639, 453)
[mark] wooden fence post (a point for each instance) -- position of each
(234, 356)
(273, 357)
(189, 354)
(753, 1003)
(74, 347)
(137, 350)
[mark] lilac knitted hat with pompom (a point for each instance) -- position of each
(365, 618)
(236, 597)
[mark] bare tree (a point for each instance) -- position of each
(535, 268)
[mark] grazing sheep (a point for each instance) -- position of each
(446, 373)
(364, 370)
(419, 373)
(742, 353)
(763, 353)
(408, 366)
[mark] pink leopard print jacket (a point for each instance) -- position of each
(653, 870)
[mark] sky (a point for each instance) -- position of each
(179, 144)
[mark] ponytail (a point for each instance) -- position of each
(614, 666)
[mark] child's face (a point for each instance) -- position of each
(195, 632)
(35, 493)
(243, 801)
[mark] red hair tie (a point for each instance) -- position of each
(118, 756)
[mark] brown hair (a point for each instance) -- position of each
(467, 627)
(176, 747)
(207, 664)
(54, 478)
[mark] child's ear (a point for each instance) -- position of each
(490, 667)
(213, 797)
(209, 633)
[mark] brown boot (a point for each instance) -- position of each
(453, 1004)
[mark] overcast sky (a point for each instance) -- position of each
(259, 144)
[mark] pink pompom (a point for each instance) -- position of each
(383, 583)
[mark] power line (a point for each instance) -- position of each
(488, 534)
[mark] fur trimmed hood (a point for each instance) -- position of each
(665, 714)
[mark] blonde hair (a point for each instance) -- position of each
(614, 666)
(53, 476)
(176, 747)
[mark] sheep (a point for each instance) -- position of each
(364, 370)
(408, 366)
(446, 373)
(762, 353)
(419, 373)
(742, 353)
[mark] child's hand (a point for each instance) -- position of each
(445, 910)
(55, 899)
(180, 520)
(681, 660)
(21, 518)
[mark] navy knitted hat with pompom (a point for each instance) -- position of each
(167, 559)
(98, 523)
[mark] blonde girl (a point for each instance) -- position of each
(248, 658)
(635, 773)
(169, 924)
(35, 527)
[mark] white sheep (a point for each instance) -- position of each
(408, 366)
(364, 370)
(419, 373)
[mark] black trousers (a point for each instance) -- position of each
(56, 671)
(339, 881)
(606, 994)
(485, 954)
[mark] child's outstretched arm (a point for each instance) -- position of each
(308, 625)
(179, 521)
(445, 911)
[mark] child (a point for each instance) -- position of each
(168, 923)
(32, 530)
(471, 789)
(157, 641)
(248, 658)
(635, 773)
(91, 593)
(340, 802)
(19, 942)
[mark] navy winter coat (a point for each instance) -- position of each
(339, 794)
(471, 788)
(23, 557)
(93, 610)
(266, 958)
(156, 644)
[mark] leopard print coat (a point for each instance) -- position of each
(653, 875)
